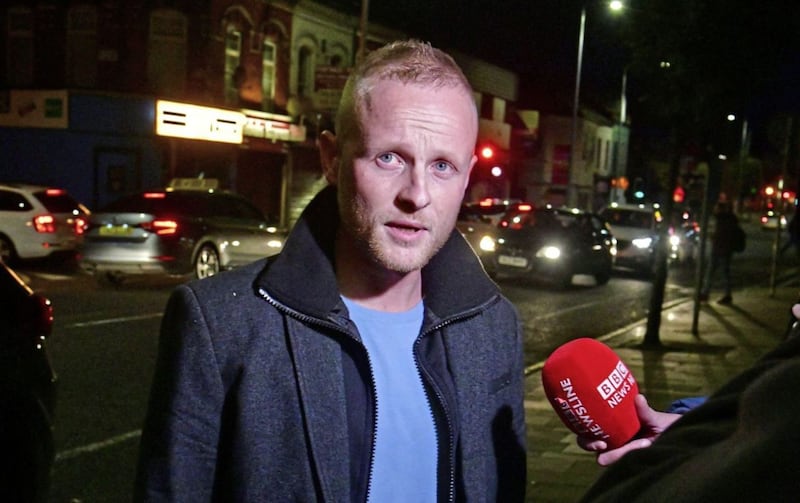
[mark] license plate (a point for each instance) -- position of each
(512, 261)
(116, 230)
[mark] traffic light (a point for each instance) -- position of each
(487, 152)
(678, 195)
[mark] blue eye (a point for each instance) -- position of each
(389, 160)
(443, 167)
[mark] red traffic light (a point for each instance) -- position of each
(487, 152)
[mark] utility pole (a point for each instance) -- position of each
(362, 36)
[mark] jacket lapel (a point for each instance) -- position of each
(318, 370)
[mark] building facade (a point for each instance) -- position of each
(106, 98)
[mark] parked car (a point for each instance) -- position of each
(27, 391)
(38, 221)
(636, 229)
(198, 231)
(554, 245)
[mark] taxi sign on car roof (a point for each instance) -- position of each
(207, 184)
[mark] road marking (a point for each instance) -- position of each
(109, 321)
(86, 449)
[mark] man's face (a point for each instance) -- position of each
(400, 194)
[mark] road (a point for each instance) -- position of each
(105, 341)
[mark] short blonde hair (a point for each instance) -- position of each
(407, 61)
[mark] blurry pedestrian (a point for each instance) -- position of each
(722, 248)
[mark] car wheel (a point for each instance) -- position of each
(603, 277)
(206, 263)
(7, 252)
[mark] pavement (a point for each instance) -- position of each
(702, 347)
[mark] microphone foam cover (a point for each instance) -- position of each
(592, 391)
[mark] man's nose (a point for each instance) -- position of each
(414, 194)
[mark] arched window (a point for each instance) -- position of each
(233, 59)
(268, 57)
(167, 41)
(305, 71)
(81, 68)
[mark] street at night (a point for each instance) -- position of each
(105, 342)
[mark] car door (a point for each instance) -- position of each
(241, 230)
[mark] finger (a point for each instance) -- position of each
(591, 444)
(612, 456)
(796, 311)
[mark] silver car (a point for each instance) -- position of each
(38, 221)
(176, 232)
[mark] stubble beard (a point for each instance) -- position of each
(378, 248)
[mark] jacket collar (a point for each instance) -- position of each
(302, 276)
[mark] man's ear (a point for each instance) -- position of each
(328, 156)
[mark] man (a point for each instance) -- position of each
(373, 359)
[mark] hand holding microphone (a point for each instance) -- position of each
(577, 376)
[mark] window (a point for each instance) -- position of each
(268, 74)
(166, 62)
(19, 55)
(233, 56)
(305, 72)
(81, 68)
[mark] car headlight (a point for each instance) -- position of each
(275, 243)
(487, 244)
(549, 252)
(675, 240)
(642, 243)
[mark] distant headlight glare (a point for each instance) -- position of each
(642, 243)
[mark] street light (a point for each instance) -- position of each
(615, 5)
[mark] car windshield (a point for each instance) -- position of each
(191, 204)
(538, 219)
(57, 201)
(629, 218)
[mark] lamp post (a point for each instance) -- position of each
(572, 191)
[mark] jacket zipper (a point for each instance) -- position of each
(318, 321)
(437, 392)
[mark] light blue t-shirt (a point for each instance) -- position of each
(404, 461)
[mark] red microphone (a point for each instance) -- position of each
(592, 391)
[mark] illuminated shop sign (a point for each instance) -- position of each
(37, 109)
(272, 127)
(195, 122)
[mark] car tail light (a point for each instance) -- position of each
(154, 195)
(45, 224)
(161, 227)
(81, 224)
(54, 192)
(525, 207)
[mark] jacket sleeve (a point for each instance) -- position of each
(182, 425)
(740, 445)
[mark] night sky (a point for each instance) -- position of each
(538, 40)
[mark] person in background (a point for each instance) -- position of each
(739, 444)
(722, 248)
(373, 359)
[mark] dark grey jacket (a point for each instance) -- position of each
(262, 390)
